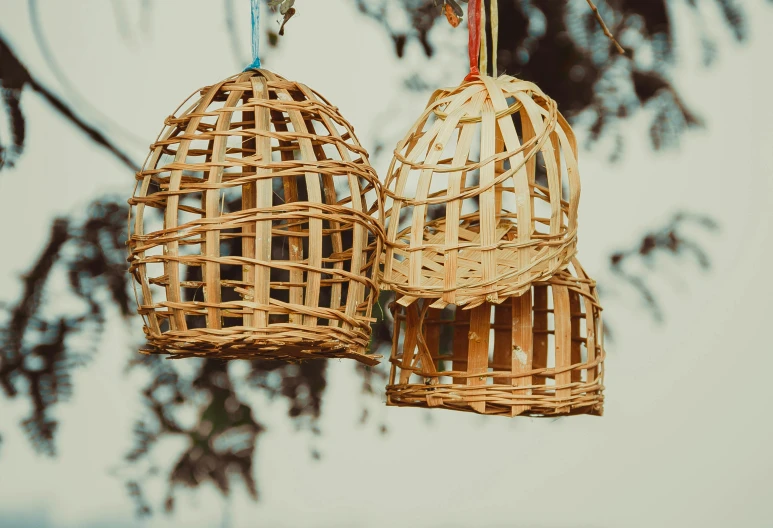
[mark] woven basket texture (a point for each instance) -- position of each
(481, 196)
(540, 354)
(255, 227)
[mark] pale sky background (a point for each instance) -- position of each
(687, 434)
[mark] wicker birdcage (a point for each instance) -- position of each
(481, 195)
(540, 354)
(266, 233)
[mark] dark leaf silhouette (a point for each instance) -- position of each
(221, 443)
(12, 100)
(669, 239)
(14, 78)
(34, 353)
(223, 439)
(560, 46)
(40, 368)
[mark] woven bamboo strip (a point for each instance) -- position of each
(477, 362)
(249, 201)
(562, 313)
(264, 200)
(540, 333)
(522, 345)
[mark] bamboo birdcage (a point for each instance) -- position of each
(268, 236)
(540, 354)
(482, 195)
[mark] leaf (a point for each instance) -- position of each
(12, 104)
(453, 18)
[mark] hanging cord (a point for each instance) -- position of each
(255, 36)
(483, 61)
(494, 36)
(604, 27)
(473, 23)
(478, 46)
(489, 25)
(476, 22)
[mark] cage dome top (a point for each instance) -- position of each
(481, 195)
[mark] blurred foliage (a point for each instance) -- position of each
(559, 45)
(36, 356)
(670, 239)
(222, 439)
(14, 80)
(219, 443)
(555, 43)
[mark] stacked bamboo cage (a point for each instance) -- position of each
(255, 227)
(493, 313)
(258, 227)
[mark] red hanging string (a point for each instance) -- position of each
(473, 23)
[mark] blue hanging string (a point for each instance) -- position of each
(255, 36)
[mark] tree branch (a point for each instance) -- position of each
(604, 27)
(14, 75)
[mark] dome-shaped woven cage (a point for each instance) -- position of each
(481, 195)
(540, 354)
(253, 227)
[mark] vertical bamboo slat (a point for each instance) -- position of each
(477, 362)
(503, 339)
(563, 345)
(263, 201)
(540, 331)
(461, 344)
(249, 201)
(431, 329)
(523, 346)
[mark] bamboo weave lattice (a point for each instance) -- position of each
(540, 354)
(482, 195)
(254, 230)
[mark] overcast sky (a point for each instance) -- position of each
(686, 437)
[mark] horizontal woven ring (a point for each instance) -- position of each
(537, 354)
(499, 399)
(472, 290)
(280, 341)
(255, 227)
(481, 196)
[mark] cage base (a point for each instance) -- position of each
(275, 344)
(502, 400)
